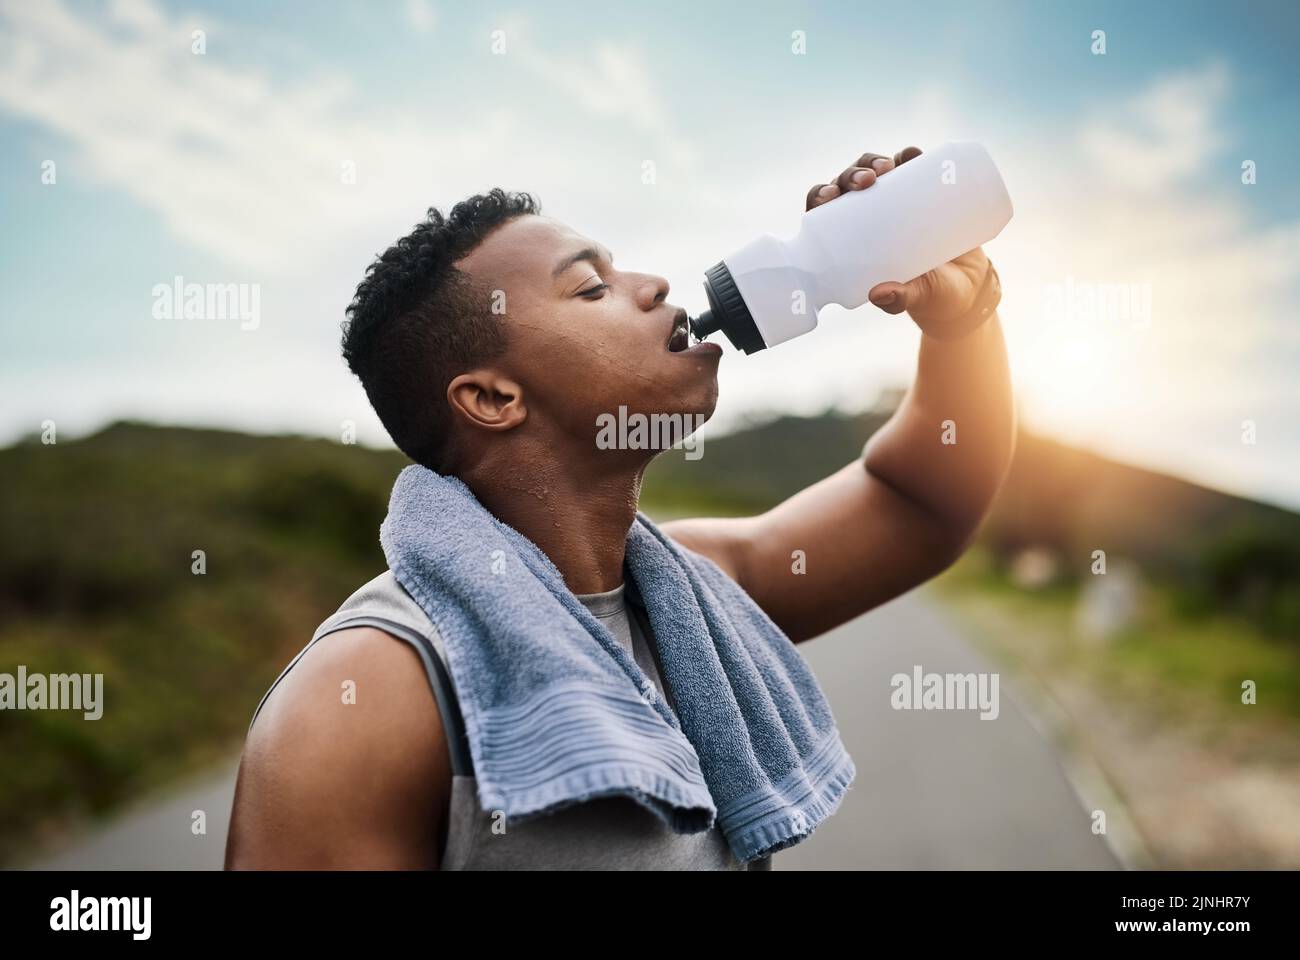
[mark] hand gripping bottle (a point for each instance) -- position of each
(914, 218)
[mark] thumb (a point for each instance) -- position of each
(890, 296)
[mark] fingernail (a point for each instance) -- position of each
(882, 165)
(859, 178)
(828, 191)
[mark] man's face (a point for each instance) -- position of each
(586, 338)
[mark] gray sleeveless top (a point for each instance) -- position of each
(608, 833)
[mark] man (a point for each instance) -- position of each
(490, 343)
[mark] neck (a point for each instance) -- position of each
(579, 518)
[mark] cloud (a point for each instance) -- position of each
(1148, 192)
(1163, 134)
(614, 81)
(421, 15)
(255, 169)
(233, 163)
(252, 168)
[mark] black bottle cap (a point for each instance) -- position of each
(705, 324)
(727, 312)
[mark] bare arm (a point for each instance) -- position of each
(327, 785)
(886, 523)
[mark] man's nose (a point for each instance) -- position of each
(651, 291)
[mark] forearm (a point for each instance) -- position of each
(869, 535)
(949, 445)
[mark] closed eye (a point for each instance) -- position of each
(590, 292)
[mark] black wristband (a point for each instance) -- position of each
(986, 301)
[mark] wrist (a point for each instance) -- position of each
(983, 307)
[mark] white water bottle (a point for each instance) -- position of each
(921, 214)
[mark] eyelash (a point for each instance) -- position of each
(599, 288)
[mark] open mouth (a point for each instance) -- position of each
(680, 338)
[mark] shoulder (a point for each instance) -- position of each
(356, 682)
(726, 541)
(346, 763)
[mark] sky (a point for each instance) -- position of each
(305, 138)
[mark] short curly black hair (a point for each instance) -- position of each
(416, 322)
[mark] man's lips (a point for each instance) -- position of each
(704, 348)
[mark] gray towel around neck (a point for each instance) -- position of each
(558, 712)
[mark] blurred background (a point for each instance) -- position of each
(1150, 276)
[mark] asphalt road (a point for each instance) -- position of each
(934, 790)
(938, 789)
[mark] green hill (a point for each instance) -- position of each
(95, 576)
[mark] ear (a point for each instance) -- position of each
(486, 400)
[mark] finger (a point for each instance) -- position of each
(906, 154)
(859, 176)
(855, 178)
(819, 194)
(890, 296)
(877, 162)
